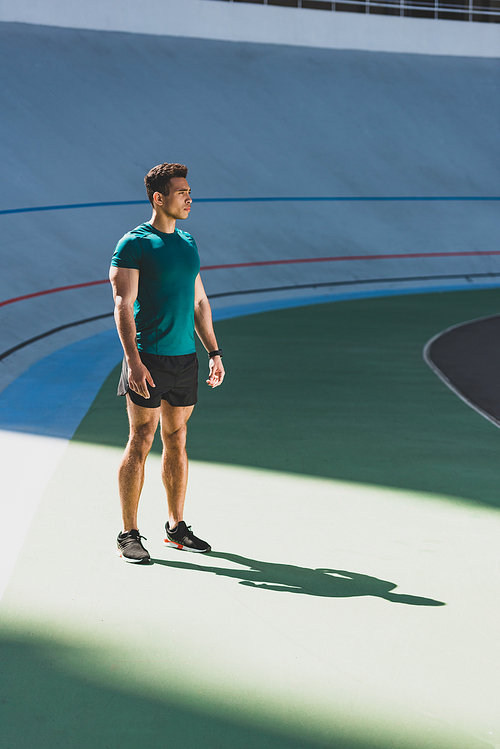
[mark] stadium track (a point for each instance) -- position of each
(399, 529)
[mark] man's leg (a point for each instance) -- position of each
(174, 473)
(143, 423)
(174, 459)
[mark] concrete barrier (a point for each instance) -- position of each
(87, 113)
(240, 22)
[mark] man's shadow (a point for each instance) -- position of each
(288, 578)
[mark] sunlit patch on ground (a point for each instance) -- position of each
(328, 612)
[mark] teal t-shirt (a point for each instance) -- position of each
(164, 309)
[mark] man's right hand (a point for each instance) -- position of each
(138, 377)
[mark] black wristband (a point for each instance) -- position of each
(215, 353)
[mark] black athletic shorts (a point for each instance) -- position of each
(175, 379)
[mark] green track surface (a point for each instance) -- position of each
(340, 391)
(68, 710)
(378, 630)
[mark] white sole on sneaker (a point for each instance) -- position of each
(181, 547)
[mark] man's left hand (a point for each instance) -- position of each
(216, 373)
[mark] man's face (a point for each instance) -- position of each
(177, 203)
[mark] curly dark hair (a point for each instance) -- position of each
(158, 178)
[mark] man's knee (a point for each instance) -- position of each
(174, 440)
(141, 439)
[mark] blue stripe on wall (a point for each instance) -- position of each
(70, 206)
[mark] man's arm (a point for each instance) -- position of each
(205, 330)
(125, 283)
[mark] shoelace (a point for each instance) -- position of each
(131, 539)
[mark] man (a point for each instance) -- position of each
(159, 303)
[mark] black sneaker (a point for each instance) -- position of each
(184, 539)
(130, 548)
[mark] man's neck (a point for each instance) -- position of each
(163, 223)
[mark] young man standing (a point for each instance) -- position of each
(159, 303)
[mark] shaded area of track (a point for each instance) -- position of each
(340, 391)
(468, 357)
(42, 684)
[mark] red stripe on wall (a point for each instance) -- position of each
(262, 263)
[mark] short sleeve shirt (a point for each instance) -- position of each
(164, 309)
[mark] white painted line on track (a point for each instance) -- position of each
(427, 358)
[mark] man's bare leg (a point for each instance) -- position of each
(174, 459)
(143, 423)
